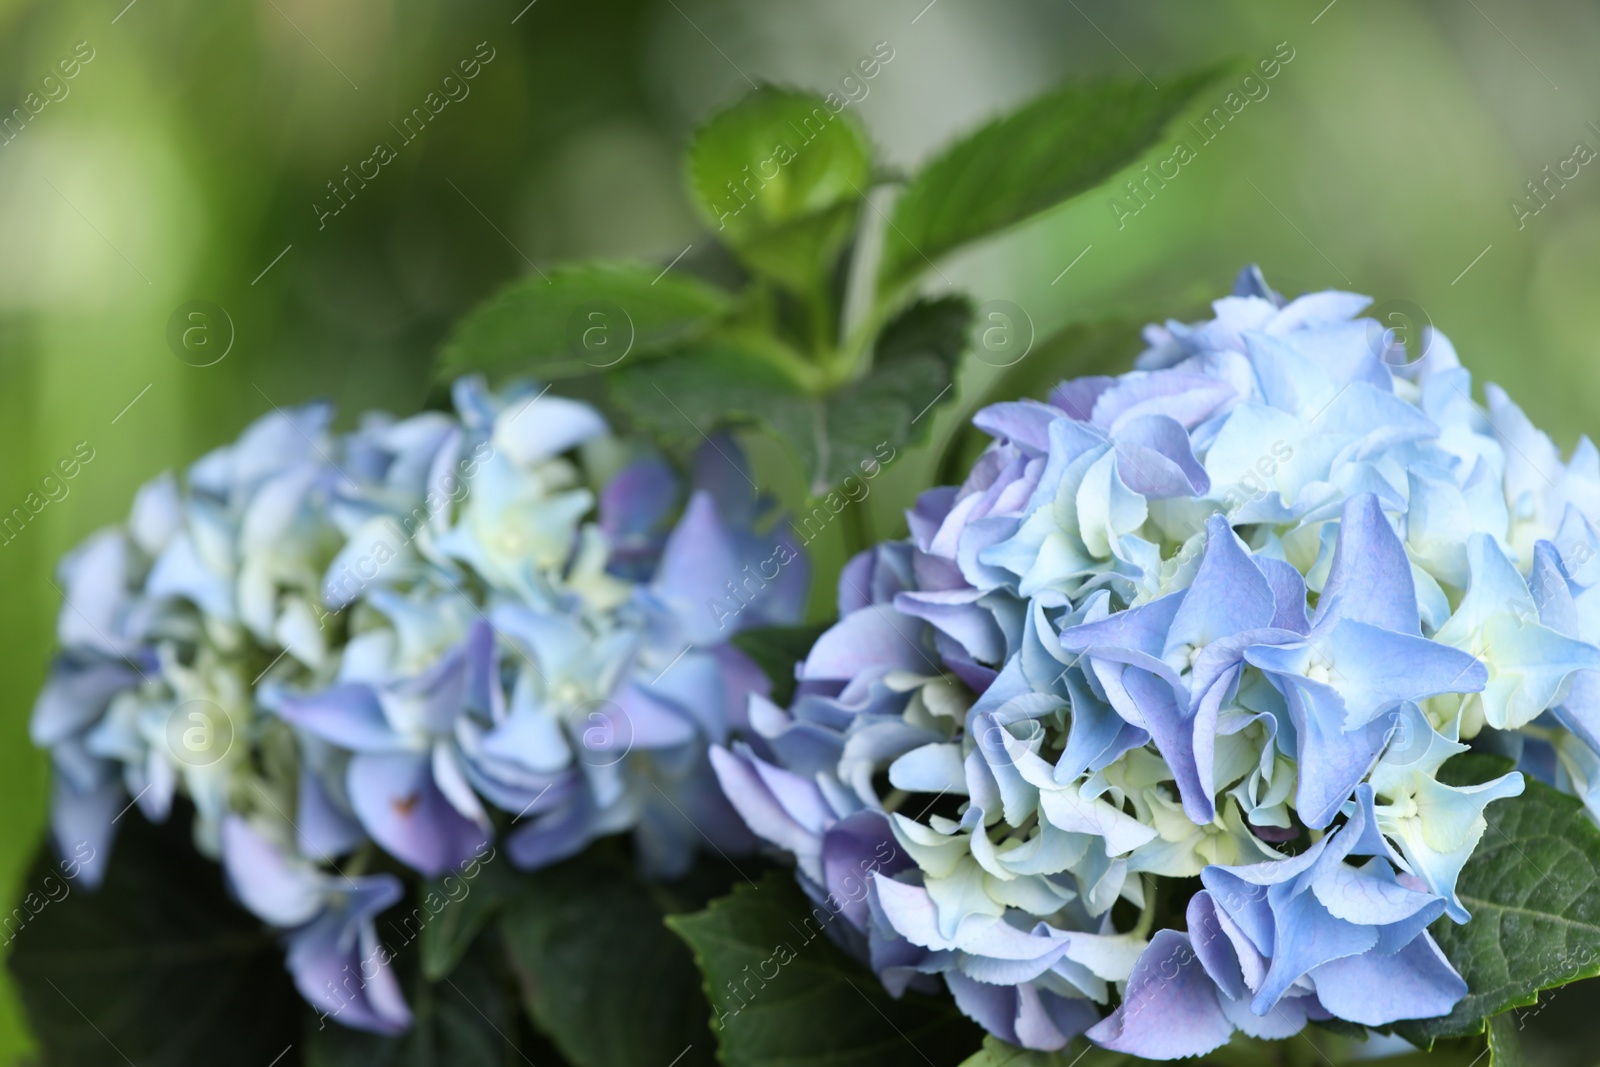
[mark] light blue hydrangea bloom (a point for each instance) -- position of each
(1223, 617)
(415, 639)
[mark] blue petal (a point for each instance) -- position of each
(1288, 593)
(533, 430)
(283, 890)
(322, 827)
(1229, 593)
(1415, 983)
(76, 696)
(81, 825)
(1097, 736)
(556, 834)
(1329, 760)
(1141, 629)
(1305, 935)
(1374, 670)
(1371, 577)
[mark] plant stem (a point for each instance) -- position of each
(1147, 916)
(857, 528)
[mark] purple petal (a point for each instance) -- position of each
(1155, 459)
(402, 808)
(1078, 396)
(877, 639)
(742, 678)
(1170, 1008)
(722, 470)
(636, 502)
(1025, 423)
(340, 967)
(853, 849)
(873, 576)
(958, 614)
(1186, 397)
(697, 565)
(636, 719)
(348, 715)
(992, 1007)
(778, 805)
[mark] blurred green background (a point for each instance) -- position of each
(185, 159)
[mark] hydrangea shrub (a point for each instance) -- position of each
(1249, 691)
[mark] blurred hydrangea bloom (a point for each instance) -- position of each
(1220, 619)
(425, 636)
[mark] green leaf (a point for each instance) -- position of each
(996, 1053)
(469, 1018)
(696, 391)
(779, 177)
(600, 973)
(1505, 1047)
(777, 650)
(157, 966)
(1054, 148)
(446, 938)
(580, 320)
(784, 994)
(1533, 888)
(864, 423)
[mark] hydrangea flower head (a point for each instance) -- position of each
(413, 646)
(1190, 647)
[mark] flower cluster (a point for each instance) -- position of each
(402, 643)
(1151, 711)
